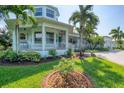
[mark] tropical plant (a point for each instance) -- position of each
(2, 53)
(9, 56)
(52, 52)
(5, 39)
(30, 56)
(118, 35)
(22, 17)
(69, 52)
(85, 20)
(120, 43)
(65, 67)
(94, 42)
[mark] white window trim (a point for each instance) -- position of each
(53, 14)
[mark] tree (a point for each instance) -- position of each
(22, 17)
(118, 35)
(95, 41)
(83, 19)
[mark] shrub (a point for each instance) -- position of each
(29, 56)
(69, 52)
(2, 53)
(9, 55)
(103, 49)
(1, 47)
(52, 52)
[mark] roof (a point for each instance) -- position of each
(11, 23)
(107, 36)
(43, 19)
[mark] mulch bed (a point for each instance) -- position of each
(73, 80)
(43, 60)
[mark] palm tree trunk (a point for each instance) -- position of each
(80, 45)
(16, 33)
(82, 37)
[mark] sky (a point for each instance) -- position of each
(110, 16)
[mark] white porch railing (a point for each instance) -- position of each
(36, 47)
(73, 46)
(61, 46)
(57, 46)
(23, 46)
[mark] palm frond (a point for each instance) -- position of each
(75, 18)
(88, 7)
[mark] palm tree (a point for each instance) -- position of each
(118, 35)
(84, 18)
(21, 16)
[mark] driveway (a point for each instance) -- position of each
(113, 56)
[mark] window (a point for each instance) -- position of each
(22, 36)
(49, 38)
(50, 13)
(72, 40)
(38, 12)
(38, 37)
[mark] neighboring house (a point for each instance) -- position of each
(49, 34)
(74, 41)
(108, 42)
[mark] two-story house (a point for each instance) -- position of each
(49, 33)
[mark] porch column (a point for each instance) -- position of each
(43, 37)
(14, 41)
(55, 40)
(66, 39)
(17, 41)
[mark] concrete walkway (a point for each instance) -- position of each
(113, 56)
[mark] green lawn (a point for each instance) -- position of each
(101, 72)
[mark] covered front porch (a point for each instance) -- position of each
(41, 39)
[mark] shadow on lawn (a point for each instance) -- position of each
(11, 74)
(101, 74)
